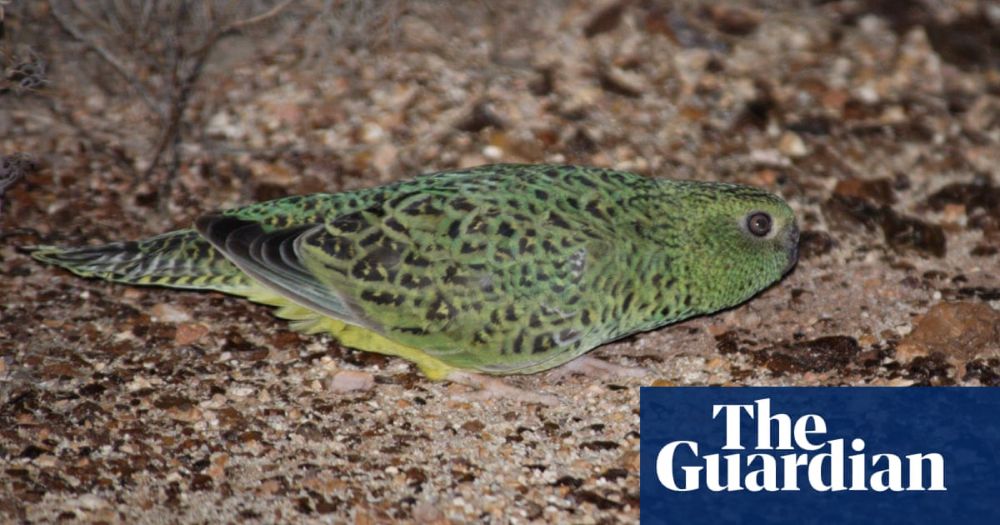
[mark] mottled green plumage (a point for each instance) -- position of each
(500, 269)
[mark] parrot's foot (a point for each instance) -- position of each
(492, 388)
(593, 366)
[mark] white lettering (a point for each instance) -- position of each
(713, 478)
(665, 467)
(890, 478)
(732, 423)
(792, 462)
(824, 472)
(858, 480)
(802, 431)
(764, 419)
(836, 460)
(916, 464)
(764, 478)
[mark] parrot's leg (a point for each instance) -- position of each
(493, 388)
(593, 366)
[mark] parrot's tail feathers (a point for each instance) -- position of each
(179, 259)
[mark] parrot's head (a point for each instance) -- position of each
(738, 241)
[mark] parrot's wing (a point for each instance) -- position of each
(463, 275)
(487, 273)
(270, 257)
(184, 259)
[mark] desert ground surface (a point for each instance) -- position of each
(878, 121)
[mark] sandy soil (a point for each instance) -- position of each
(879, 121)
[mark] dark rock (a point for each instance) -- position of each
(734, 20)
(758, 111)
(32, 451)
(905, 233)
(845, 213)
(92, 390)
(168, 401)
(878, 191)
(818, 355)
(968, 41)
(727, 343)
(675, 25)
(201, 482)
(932, 370)
(479, 118)
(266, 191)
(599, 445)
(614, 81)
(986, 371)
(567, 481)
(613, 474)
(544, 83)
(979, 292)
(814, 243)
(901, 232)
(812, 125)
(605, 20)
(597, 500)
(978, 194)
(983, 250)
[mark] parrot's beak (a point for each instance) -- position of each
(792, 247)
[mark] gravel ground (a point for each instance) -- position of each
(879, 121)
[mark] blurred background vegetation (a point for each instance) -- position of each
(164, 102)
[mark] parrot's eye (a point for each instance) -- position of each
(759, 223)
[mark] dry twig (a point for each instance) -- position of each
(12, 169)
(169, 46)
(184, 86)
(67, 25)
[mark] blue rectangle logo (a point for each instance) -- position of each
(820, 455)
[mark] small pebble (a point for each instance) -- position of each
(426, 512)
(351, 380)
(792, 145)
(168, 313)
(492, 152)
(188, 333)
(91, 502)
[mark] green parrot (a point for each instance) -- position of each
(493, 270)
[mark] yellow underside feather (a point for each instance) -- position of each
(307, 321)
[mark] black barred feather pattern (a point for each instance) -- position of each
(185, 259)
(179, 259)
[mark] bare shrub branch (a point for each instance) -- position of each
(22, 73)
(160, 49)
(126, 73)
(12, 169)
